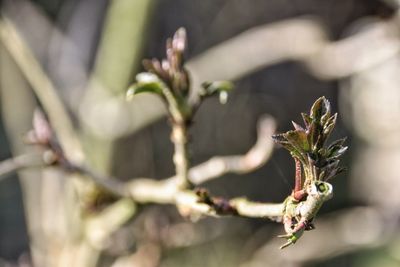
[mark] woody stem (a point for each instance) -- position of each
(297, 184)
(298, 192)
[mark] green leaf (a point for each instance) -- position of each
(146, 83)
(334, 154)
(294, 150)
(314, 132)
(328, 127)
(319, 162)
(336, 148)
(338, 142)
(282, 140)
(307, 119)
(299, 139)
(320, 107)
(143, 88)
(217, 87)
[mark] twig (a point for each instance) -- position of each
(258, 210)
(101, 225)
(150, 190)
(190, 204)
(44, 89)
(145, 190)
(168, 191)
(20, 162)
(111, 184)
(253, 159)
(179, 137)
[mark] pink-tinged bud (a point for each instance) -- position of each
(179, 40)
(165, 65)
(41, 127)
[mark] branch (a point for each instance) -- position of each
(110, 184)
(257, 156)
(300, 39)
(190, 203)
(179, 137)
(43, 88)
(20, 162)
(208, 170)
(146, 190)
(251, 209)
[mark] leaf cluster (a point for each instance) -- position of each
(169, 79)
(308, 144)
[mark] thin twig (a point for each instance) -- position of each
(252, 209)
(109, 183)
(253, 159)
(20, 162)
(150, 190)
(145, 190)
(168, 191)
(179, 137)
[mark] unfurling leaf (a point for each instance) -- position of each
(222, 88)
(299, 139)
(283, 141)
(307, 120)
(146, 83)
(308, 144)
(211, 88)
(320, 107)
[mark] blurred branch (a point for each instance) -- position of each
(266, 45)
(208, 170)
(119, 53)
(43, 87)
(20, 162)
(111, 184)
(253, 159)
(99, 227)
(118, 58)
(302, 39)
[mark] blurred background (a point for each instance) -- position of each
(282, 55)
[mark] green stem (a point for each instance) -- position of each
(181, 156)
(180, 138)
